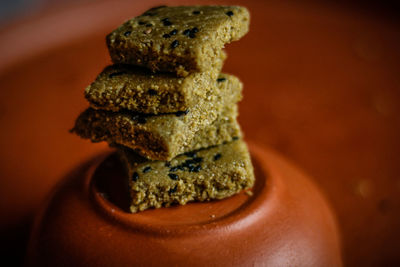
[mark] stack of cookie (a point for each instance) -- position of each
(167, 108)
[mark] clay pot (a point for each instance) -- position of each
(285, 222)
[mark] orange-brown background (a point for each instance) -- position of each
(322, 86)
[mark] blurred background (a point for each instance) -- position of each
(13, 9)
(322, 87)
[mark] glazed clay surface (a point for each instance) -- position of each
(285, 222)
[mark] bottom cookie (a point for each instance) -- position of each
(213, 173)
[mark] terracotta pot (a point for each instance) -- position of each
(285, 222)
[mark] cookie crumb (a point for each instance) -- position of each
(249, 193)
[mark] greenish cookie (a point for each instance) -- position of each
(162, 137)
(180, 39)
(213, 173)
(137, 89)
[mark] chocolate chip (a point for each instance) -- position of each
(127, 33)
(197, 168)
(167, 164)
(217, 156)
(194, 168)
(173, 190)
(192, 163)
(149, 25)
(147, 169)
(135, 176)
(166, 22)
(196, 12)
(235, 138)
(174, 169)
(173, 32)
(198, 160)
(229, 13)
(142, 22)
(112, 75)
(173, 176)
(188, 163)
(152, 92)
(191, 33)
(174, 44)
(191, 154)
(221, 80)
(181, 113)
(166, 35)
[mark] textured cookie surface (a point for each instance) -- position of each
(136, 89)
(161, 137)
(180, 39)
(213, 173)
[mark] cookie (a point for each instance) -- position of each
(136, 89)
(180, 39)
(161, 137)
(157, 144)
(213, 173)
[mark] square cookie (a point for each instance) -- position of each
(213, 173)
(179, 39)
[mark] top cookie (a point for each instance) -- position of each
(182, 39)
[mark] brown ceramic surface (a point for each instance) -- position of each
(321, 87)
(286, 222)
